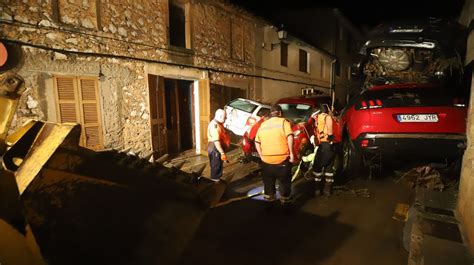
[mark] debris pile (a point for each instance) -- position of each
(424, 176)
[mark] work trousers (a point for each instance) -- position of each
(324, 162)
(217, 165)
(273, 172)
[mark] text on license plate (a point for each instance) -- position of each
(417, 118)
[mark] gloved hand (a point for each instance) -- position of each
(331, 138)
(224, 157)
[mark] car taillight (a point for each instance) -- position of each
(251, 121)
(364, 143)
(369, 104)
(459, 102)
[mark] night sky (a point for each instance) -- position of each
(363, 13)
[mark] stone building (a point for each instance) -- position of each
(147, 75)
(135, 74)
(466, 187)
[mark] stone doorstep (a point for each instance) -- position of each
(436, 237)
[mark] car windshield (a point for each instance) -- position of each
(296, 112)
(243, 105)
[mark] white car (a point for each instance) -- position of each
(243, 113)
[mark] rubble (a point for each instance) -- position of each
(424, 176)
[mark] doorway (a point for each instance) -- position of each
(178, 115)
(172, 120)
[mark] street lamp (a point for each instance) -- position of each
(282, 34)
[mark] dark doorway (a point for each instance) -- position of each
(179, 119)
(185, 103)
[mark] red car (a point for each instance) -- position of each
(405, 119)
(296, 109)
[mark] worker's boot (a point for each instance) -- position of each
(318, 177)
(328, 187)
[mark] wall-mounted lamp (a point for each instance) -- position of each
(281, 36)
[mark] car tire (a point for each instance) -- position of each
(351, 159)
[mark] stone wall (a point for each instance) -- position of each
(121, 39)
(123, 101)
(466, 186)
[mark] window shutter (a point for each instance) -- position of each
(67, 106)
(89, 106)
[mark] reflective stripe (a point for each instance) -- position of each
(285, 199)
(330, 180)
(317, 179)
(318, 174)
(328, 174)
(269, 197)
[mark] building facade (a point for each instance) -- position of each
(135, 74)
(292, 67)
(331, 31)
(148, 75)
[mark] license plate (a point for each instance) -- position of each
(417, 118)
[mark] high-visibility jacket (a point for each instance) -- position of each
(322, 127)
(273, 139)
(217, 133)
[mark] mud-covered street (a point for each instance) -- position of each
(342, 229)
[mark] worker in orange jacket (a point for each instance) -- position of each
(218, 144)
(324, 161)
(274, 144)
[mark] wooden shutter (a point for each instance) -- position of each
(204, 112)
(90, 119)
(303, 61)
(157, 114)
(67, 100)
(77, 102)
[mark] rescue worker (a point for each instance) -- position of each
(218, 144)
(274, 144)
(323, 165)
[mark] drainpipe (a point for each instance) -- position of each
(332, 84)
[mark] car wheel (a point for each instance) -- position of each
(351, 159)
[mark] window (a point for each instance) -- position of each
(303, 61)
(296, 112)
(243, 105)
(349, 43)
(263, 112)
(323, 67)
(177, 25)
(283, 54)
(337, 68)
(78, 102)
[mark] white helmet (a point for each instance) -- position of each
(220, 116)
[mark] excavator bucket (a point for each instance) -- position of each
(84, 206)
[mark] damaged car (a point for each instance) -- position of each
(413, 51)
(413, 98)
(298, 110)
